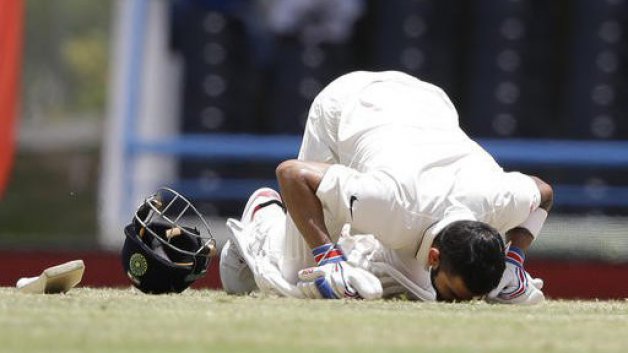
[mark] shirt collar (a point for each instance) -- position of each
(432, 231)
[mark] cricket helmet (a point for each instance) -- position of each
(168, 244)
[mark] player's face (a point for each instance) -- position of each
(449, 288)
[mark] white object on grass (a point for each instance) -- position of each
(56, 279)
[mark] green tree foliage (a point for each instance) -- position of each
(65, 68)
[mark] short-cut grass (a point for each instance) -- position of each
(123, 320)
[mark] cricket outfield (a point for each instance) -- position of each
(123, 320)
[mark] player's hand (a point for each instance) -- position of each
(335, 278)
(516, 285)
(339, 280)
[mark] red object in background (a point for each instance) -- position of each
(563, 280)
(102, 269)
(11, 21)
(581, 279)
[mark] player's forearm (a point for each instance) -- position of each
(522, 237)
(299, 181)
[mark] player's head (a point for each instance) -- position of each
(168, 244)
(467, 259)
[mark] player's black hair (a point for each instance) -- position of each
(474, 251)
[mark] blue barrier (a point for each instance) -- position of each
(237, 147)
(513, 152)
(559, 154)
(269, 148)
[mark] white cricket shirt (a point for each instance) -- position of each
(405, 166)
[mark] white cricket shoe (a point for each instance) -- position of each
(56, 279)
(235, 274)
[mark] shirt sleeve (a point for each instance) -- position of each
(366, 200)
(518, 197)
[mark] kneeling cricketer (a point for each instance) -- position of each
(388, 197)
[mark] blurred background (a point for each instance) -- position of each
(103, 101)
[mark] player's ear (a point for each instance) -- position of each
(433, 257)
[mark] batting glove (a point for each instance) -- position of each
(516, 285)
(335, 278)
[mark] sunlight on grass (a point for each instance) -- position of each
(99, 320)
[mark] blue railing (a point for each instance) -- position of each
(512, 153)
(268, 148)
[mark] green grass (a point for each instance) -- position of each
(110, 320)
